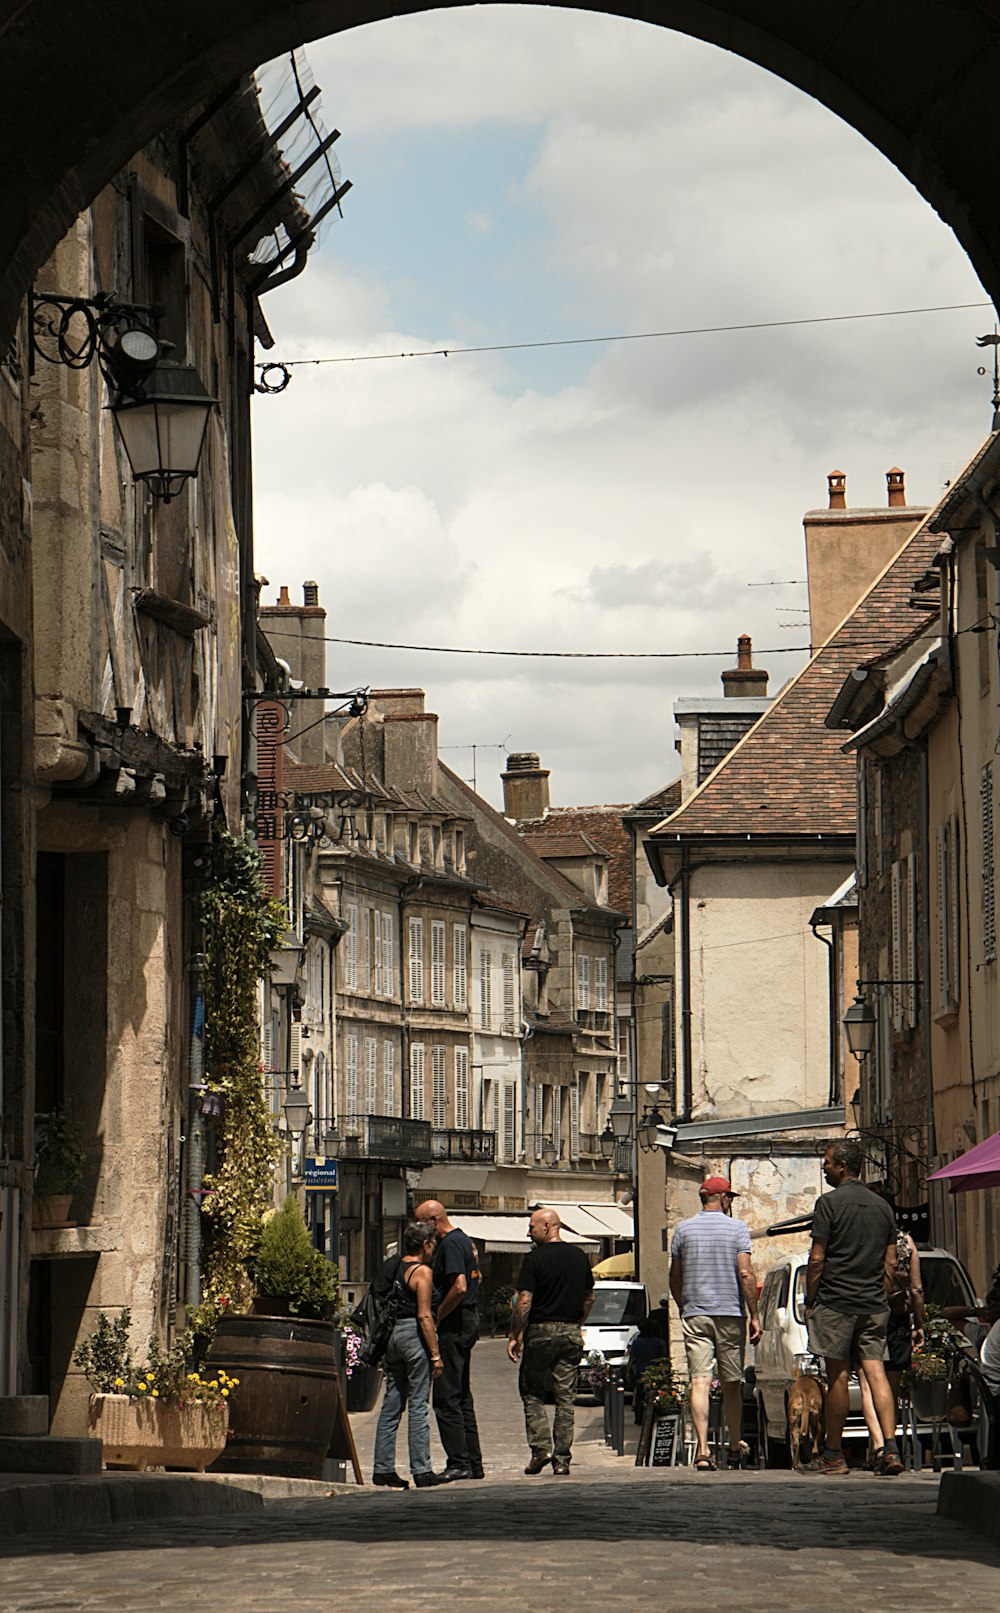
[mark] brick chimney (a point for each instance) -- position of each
(310, 593)
(525, 787)
(895, 483)
(837, 484)
(744, 679)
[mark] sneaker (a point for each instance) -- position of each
(890, 1464)
(832, 1465)
(391, 1481)
(537, 1463)
(424, 1481)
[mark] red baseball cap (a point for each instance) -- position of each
(716, 1184)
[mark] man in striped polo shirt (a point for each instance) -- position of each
(714, 1287)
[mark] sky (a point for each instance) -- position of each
(525, 174)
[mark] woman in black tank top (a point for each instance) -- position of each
(412, 1359)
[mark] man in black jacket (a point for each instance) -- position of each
(555, 1292)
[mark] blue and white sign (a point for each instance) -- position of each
(321, 1176)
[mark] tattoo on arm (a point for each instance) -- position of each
(519, 1317)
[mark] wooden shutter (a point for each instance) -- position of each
(462, 1088)
(416, 960)
(582, 982)
(896, 921)
(417, 1096)
(460, 966)
(486, 990)
(942, 929)
(437, 963)
(601, 984)
(388, 956)
(439, 1090)
(954, 914)
(351, 1076)
(377, 927)
(989, 894)
(388, 1078)
(351, 944)
(910, 961)
(509, 995)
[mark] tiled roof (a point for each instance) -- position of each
(602, 827)
(666, 799)
(788, 775)
(564, 845)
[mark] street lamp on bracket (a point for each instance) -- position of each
(860, 1021)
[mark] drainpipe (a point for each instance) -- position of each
(196, 1134)
(833, 1015)
(686, 1092)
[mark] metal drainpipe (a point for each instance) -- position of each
(832, 1013)
(196, 1133)
(633, 1047)
(687, 1082)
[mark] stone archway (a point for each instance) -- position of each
(83, 87)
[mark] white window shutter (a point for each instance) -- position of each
(416, 960)
(437, 963)
(377, 917)
(896, 919)
(989, 894)
(388, 957)
(460, 966)
(461, 1088)
(582, 981)
(417, 1095)
(509, 994)
(439, 1091)
(388, 1078)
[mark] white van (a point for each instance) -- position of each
(613, 1322)
(783, 1347)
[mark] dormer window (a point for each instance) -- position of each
(460, 851)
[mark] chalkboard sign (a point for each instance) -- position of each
(659, 1439)
(666, 1432)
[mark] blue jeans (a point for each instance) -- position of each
(408, 1379)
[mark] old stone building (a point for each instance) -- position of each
(127, 585)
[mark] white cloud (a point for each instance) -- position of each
(623, 498)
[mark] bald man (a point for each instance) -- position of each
(555, 1292)
(456, 1288)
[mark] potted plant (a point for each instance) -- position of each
(162, 1413)
(285, 1353)
(662, 1388)
(291, 1277)
(926, 1378)
(60, 1159)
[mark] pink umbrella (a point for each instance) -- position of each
(978, 1167)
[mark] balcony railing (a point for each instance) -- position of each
(405, 1142)
(464, 1147)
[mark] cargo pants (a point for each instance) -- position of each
(550, 1365)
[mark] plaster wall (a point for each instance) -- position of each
(845, 551)
(759, 987)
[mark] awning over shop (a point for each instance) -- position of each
(592, 1220)
(977, 1167)
(508, 1234)
(616, 1266)
(452, 1178)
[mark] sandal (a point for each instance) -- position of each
(738, 1455)
(704, 1464)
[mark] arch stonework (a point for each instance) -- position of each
(84, 86)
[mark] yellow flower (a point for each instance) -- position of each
(214, 1383)
(141, 1387)
(119, 1383)
(235, 1382)
(192, 1377)
(224, 1393)
(156, 1394)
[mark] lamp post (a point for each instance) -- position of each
(162, 426)
(620, 1117)
(607, 1141)
(859, 1028)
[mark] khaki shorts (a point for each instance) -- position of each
(842, 1336)
(717, 1339)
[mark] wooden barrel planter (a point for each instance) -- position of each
(282, 1415)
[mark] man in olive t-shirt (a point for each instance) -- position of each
(853, 1252)
(555, 1292)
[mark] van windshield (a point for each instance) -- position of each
(617, 1307)
(942, 1282)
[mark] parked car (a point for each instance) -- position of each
(613, 1322)
(783, 1347)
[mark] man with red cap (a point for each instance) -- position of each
(714, 1287)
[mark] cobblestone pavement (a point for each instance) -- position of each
(609, 1537)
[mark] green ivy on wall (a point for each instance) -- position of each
(242, 924)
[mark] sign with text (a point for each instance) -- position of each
(321, 1176)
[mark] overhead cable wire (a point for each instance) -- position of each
(632, 336)
(874, 640)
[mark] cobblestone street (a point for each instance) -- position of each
(608, 1537)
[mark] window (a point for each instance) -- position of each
(351, 1076)
(861, 850)
(510, 1015)
(388, 956)
(582, 981)
(462, 1088)
(416, 960)
(485, 990)
(439, 1091)
(371, 1075)
(388, 1078)
(946, 918)
(438, 945)
(989, 895)
(378, 952)
(365, 951)
(574, 1118)
(902, 892)
(412, 843)
(601, 985)
(460, 966)
(417, 1102)
(351, 943)
(506, 1120)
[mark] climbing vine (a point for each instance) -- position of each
(242, 924)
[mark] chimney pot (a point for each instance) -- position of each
(310, 593)
(283, 598)
(525, 761)
(744, 655)
(744, 679)
(836, 481)
(896, 485)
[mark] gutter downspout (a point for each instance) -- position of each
(196, 1134)
(925, 941)
(832, 1013)
(685, 1094)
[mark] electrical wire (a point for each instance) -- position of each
(633, 336)
(874, 641)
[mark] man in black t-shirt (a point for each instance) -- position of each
(555, 1292)
(456, 1291)
(853, 1255)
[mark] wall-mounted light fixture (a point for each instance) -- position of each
(860, 1020)
(161, 408)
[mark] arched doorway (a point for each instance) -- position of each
(917, 80)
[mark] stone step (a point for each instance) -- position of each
(50, 1454)
(25, 1416)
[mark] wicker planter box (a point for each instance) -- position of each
(141, 1433)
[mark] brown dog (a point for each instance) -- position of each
(806, 1419)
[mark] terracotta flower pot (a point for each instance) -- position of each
(52, 1211)
(141, 1433)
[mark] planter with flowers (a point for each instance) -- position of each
(666, 1392)
(927, 1378)
(162, 1413)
